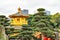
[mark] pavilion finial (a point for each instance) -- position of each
(19, 9)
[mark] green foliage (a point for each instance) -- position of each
(27, 29)
(26, 32)
(29, 19)
(4, 21)
(56, 20)
(40, 9)
(42, 22)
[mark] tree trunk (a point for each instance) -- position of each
(3, 36)
(57, 35)
(0, 33)
(32, 38)
(42, 37)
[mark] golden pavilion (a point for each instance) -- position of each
(19, 18)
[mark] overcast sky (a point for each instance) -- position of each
(8, 7)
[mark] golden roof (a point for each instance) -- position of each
(19, 14)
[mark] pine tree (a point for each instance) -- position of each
(3, 23)
(42, 23)
(26, 32)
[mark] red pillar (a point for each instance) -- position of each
(49, 38)
(45, 38)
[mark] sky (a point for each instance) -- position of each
(8, 7)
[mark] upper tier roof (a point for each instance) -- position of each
(19, 14)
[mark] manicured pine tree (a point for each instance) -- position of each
(42, 23)
(3, 23)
